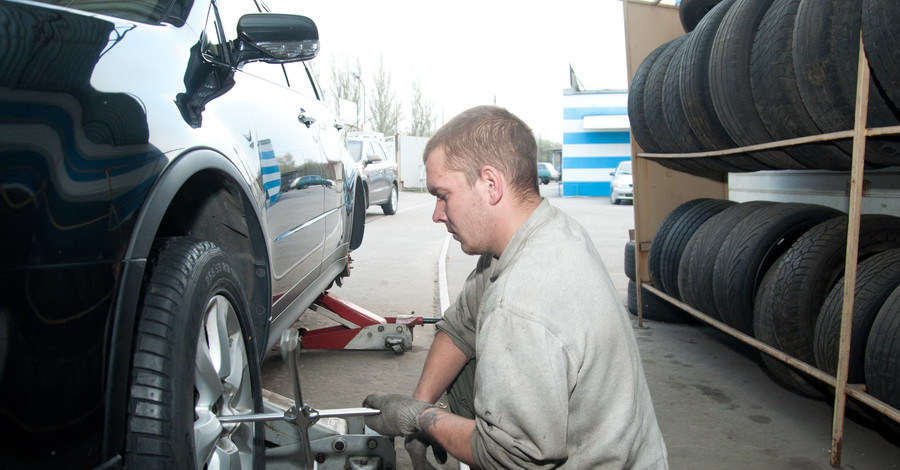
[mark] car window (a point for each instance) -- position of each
(379, 150)
(625, 169)
(355, 148)
(299, 79)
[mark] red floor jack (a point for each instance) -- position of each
(359, 328)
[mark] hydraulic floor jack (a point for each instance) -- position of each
(299, 436)
(359, 328)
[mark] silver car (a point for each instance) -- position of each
(621, 184)
(378, 170)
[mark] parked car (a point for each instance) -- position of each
(546, 172)
(175, 195)
(378, 170)
(621, 184)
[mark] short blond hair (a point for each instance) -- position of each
(489, 135)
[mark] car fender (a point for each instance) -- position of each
(148, 222)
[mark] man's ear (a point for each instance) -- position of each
(494, 183)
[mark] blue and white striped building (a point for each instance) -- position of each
(596, 138)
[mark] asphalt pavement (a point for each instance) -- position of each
(716, 407)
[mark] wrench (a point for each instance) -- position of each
(301, 415)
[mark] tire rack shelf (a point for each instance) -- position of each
(647, 25)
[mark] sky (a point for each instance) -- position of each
(467, 53)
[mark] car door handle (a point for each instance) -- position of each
(308, 120)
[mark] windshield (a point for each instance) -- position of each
(355, 147)
(625, 169)
(141, 11)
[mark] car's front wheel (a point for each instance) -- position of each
(193, 361)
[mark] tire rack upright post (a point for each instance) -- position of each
(658, 190)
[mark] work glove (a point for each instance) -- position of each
(417, 447)
(399, 414)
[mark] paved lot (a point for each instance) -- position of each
(716, 407)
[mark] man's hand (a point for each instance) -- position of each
(399, 414)
(418, 452)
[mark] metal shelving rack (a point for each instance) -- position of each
(658, 190)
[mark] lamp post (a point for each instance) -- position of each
(356, 76)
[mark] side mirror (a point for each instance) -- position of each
(612, 173)
(275, 37)
(372, 158)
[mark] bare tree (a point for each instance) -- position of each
(346, 80)
(384, 107)
(422, 112)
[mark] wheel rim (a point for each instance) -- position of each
(394, 195)
(222, 387)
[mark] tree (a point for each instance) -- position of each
(384, 107)
(422, 112)
(346, 80)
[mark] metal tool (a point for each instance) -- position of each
(300, 414)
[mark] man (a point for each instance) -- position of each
(537, 355)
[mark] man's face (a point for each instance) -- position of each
(460, 206)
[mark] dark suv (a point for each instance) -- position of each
(173, 195)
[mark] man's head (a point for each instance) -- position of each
(481, 166)
(489, 135)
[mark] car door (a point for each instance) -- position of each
(286, 135)
(376, 158)
(332, 138)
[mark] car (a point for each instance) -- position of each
(621, 184)
(175, 195)
(546, 173)
(378, 170)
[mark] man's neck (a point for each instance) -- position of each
(510, 219)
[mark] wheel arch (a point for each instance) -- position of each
(203, 195)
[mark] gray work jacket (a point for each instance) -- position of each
(558, 381)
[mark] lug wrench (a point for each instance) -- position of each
(301, 415)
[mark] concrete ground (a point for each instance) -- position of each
(715, 405)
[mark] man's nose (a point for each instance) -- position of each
(438, 216)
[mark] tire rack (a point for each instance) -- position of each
(649, 24)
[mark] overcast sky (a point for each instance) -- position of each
(471, 52)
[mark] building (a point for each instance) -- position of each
(596, 137)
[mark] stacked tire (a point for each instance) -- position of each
(775, 271)
(756, 71)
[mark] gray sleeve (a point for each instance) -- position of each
(524, 377)
(460, 320)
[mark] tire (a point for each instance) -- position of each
(390, 207)
(881, 34)
(655, 309)
(765, 330)
(776, 96)
(640, 126)
(630, 271)
(654, 259)
(792, 297)
(696, 98)
(653, 108)
(882, 358)
(691, 12)
(358, 217)
(748, 251)
(193, 306)
(826, 47)
(695, 270)
(729, 82)
(876, 279)
(667, 255)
